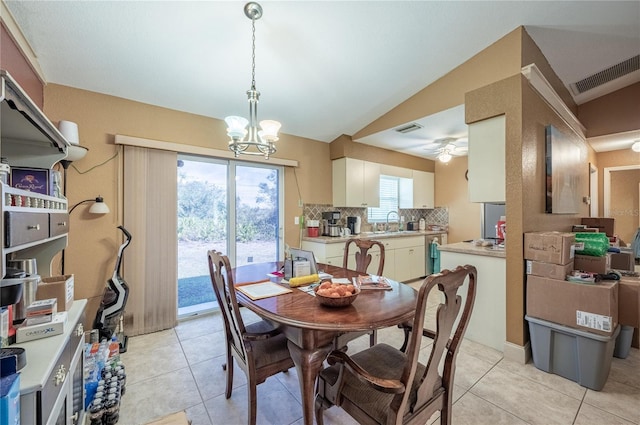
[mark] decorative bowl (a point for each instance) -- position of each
(340, 294)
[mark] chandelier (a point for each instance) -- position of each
(263, 140)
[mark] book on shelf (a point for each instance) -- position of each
(372, 282)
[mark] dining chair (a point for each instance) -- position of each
(258, 348)
(383, 385)
(363, 260)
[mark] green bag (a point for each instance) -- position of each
(595, 244)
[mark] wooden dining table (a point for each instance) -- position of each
(311, 328)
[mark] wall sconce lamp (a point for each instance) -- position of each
(99, 207)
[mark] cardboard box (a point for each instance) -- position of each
(42, 307)
(592, 308)
(179, 418)
(549, 247)
(604, 225)
(621, 261)
(58, 287)
(588, 263)
(552, 271)
(55, 327)
(629, 305)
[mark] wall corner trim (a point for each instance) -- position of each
(21, 41)
(542, 86)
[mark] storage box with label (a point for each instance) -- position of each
(55, 327)
(587, 263)
(589, 307)
(58, 287)
(549, 247)
(552, 271)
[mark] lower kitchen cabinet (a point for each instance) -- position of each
(404, 256)
(52, 382)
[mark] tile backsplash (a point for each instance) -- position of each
(438, 216)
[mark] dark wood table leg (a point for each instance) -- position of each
(308, 364)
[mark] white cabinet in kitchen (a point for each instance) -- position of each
(487, 142)
(356, 183)
(423, 189)
(408, 257)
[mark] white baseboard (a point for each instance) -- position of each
(517, 353)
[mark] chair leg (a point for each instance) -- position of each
(407, 334)
(228, 367)
(253, 402)
(373, 338)
(446, 412)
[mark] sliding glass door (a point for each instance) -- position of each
(229, 206)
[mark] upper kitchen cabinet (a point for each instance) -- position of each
(487, 140)
(356, 183)
(423, 189)
(29, 139)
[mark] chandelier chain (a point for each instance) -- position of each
(253, 53)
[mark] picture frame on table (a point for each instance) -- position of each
(31, 179)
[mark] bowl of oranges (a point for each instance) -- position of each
(336, 294)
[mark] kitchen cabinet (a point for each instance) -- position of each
(487, 144)
(423, 189)
(52, 382)
(488, 322)
(404, 255)
(33, 225)
(355, 183)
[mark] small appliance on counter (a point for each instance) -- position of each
(332, 228)
(312, 228)
(354, 224)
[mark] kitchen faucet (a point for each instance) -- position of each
(388, 214)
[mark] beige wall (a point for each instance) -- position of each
(625, 204)
(614, 113)
(452, 192)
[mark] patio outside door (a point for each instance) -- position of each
(228, 206)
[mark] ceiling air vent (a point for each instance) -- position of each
(409, 128)
(609, 74)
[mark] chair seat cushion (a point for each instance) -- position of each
(382, 361)
(270, 350)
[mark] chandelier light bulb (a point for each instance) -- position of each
(445, 157)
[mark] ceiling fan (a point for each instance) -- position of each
(448, 147)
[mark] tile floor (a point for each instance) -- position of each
(180, 369)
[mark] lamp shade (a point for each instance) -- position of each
(75, 153)
(99, 207)
(636, 146)
(270, 130)
(236, 126)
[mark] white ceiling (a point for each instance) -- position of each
(324, 68)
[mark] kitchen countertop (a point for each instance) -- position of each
(373, 235)
(469, 248)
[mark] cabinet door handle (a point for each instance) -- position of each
(33, 227)
(74, 417)
(60, 375)
(79, 330)
(62, 223)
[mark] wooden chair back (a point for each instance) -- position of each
(362, 255)
(223, 287)
(383, 385)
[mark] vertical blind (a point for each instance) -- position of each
(389, 199)
(150, 215)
